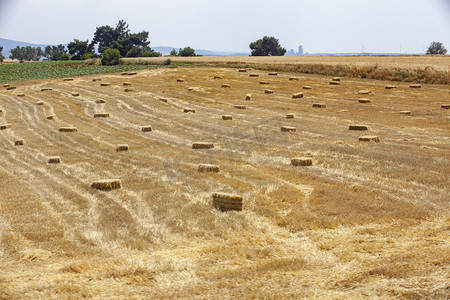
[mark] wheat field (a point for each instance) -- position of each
(366, 220)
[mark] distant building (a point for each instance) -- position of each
(290, 53)
(293, 53)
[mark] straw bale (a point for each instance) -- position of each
(225, 85)
(208, 168)
(122, 147)
(405, 112)
(364, 100)
(319, 105)
(248, 97)
(75, 94)
(273, 73)
(242, 70)
(364, 92)
(54, 160)
(5, 126)
(46, 89)
(307, 87)
(10, 88)
(20, 142)
(290, 116)
(100, 101)
(227, 202)
(131, 73)
(202, 145)
(68, 79)
(104, 84)
(268, 91)
(301, 161)
(147, 128)
(68, 129)
(163, 100)
(264, 82)
(128, 90)
(358, 127)
(107, 184)
(336, 79)
(369, 138)
(253, 75)
(445, 106)
(96, 79)
(390, 87)
(217, 77)
(189, 110)
(101, 115)
(20, 95)
(415, 86)
(50, 117)
(40, 103)
(227, 117)
(180, 80)
(288, 129)
(293, 78)
(334, 83)
(297, 95)
(240, 106)
(6, 85)
(127, 83)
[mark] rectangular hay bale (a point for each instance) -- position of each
(208, 168)
(358, 127)
(202, 145)
(297, 95)
(107, 184)
(226, 202)
(101, 115)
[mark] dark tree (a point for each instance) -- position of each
(173, 52)
(119, 38)
(24, 53)
(56, 52)
(188, 51)
(267, 46)
(80, 49)
(436, 48)
(1, 55)
(111, 57)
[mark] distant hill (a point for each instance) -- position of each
(165, 50)
(10, 44)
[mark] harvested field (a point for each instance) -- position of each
(365, 220)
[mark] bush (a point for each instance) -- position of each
(188, 51)
(111, 57)
(436, 48)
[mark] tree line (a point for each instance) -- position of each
(120, 42)
(105, 37)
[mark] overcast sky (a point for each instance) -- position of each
(318, 25)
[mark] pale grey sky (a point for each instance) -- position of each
(319, 25)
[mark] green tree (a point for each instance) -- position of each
(24, 53)
(80, 49)
(56, 52)
(187, 51)
(142, 51)
(119, 38)
(436, 48)
(1, 55)
(173, 52)
(267, 46)
(111, 57)
(39, 53)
